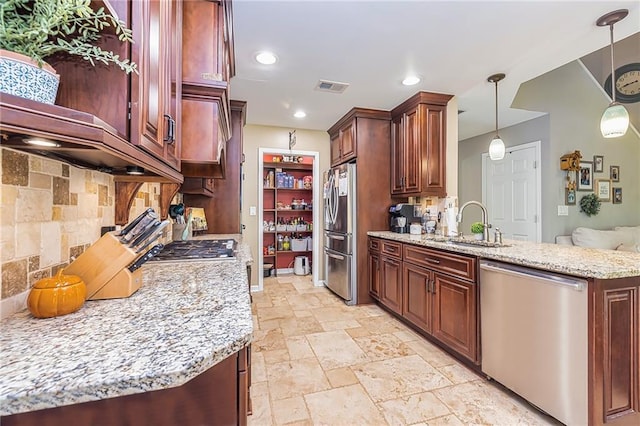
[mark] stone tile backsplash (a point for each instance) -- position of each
(50, 213)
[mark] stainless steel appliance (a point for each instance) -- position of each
(534, 337)
(197, 250)
(401, 216)
(340, 253)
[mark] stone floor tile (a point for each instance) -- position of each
(302, 313)
(407, 335)
(381, 324)
(303, 301)
(296, 377)
(480, 402)
(268, 340)
(398, 377)
(413, 409)
(341, 377)
(299, 348)
(278, 355)
(290, 410)
(299, 326)
(258, 370)
(358, 332)
(431, 353)
(275, 312)
(339, 325)
(261, 414)
(450, 420)
(383, 346)
(458, 373)
(335, 349)
(348, 405)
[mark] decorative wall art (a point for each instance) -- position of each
(585, 176)
(617, 195)
(603, 189)
(570, 196)
(598, 163)
(614, 173)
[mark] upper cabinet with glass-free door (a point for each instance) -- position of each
(418, 146)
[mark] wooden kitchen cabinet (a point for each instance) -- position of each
(418, 146)
(373, 266)
(455, 322)
(208, 65)
(343, 144)
(391, 283)
(144, 108)
(418, 300)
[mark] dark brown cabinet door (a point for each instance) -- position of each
(433, 134)
(174, 105)
(412, 151)
(391, 283)
(397, 156)
(374, 275)
(348, 142)
(418, 284)
(152, 107)
(335, 150)
(454, 315)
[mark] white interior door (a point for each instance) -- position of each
(511, 192)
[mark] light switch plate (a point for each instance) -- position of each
(563, 210)
(252, 211)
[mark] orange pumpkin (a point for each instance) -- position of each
(55, 296)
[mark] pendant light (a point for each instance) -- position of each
(496, 148)
(615, 119)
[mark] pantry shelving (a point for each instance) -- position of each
(287, 211)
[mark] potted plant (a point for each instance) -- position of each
(477, 229)
(33, 30)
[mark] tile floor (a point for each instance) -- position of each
(316, 361)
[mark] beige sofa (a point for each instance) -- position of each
(623, 238)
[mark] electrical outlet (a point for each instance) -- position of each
(252, 211)
(563, 210)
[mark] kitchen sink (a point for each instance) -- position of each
(476, 243)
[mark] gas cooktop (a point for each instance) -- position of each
(197, 250)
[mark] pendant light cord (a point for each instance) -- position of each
(613, 77)
(496, 109)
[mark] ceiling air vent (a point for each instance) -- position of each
(331, 86)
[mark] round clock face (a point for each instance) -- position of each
(627, 83)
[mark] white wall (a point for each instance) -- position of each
(256, 137)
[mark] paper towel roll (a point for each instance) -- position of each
(452, 223)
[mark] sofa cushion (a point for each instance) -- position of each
(632, 231)
(594, 238)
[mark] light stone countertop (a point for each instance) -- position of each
(571, 260)
(185, 318)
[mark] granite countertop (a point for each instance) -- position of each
(186, 317)
(572, 260)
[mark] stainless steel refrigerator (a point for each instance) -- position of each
(340, 253)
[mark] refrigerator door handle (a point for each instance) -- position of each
(336, 237)
(336, 199)
(335, 256)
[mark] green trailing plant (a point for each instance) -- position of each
(41, 28)
(477, 228)
(590, 204)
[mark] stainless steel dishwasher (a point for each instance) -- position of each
(534, 337)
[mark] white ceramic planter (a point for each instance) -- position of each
(21, 76)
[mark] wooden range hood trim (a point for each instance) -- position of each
(79, 133)
(127, 189)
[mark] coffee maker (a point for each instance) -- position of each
(401, 216)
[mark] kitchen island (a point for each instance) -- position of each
(187, 319)
(435, 285)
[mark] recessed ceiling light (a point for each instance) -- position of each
(266, 58)
(410, 80)
(42, 142)
(300, 114)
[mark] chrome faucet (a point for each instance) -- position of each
(485, 217)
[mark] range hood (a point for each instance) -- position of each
(82, 140)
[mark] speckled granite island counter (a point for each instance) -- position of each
(572, 260)
(186, 318)
(436, 285)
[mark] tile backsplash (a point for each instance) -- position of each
(50, 213)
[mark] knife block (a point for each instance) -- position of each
(105, 264)
(123, 284)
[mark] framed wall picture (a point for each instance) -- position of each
(570, 197)
(598, 163)
(603, 189)
(614, 173)
(585, 176)
(617, 195)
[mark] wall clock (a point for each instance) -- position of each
(627, 83)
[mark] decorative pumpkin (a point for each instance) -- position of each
(56, 296)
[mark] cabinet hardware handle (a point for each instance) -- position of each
(434, 261)
(433, 286)
(171, 130)
(390, 248)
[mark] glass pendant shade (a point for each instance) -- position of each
(614, 122)
(496, 149)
